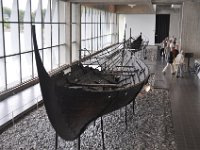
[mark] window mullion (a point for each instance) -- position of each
(42, 30)
(4, 48)
(59, 61)
(32, 65)
(20, 59)
(51, 33)
(92, 25)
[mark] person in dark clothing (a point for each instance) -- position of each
(175, 52)
(169, 63)
(163, 45)
(174, 41)
(170, 57)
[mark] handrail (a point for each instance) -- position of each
(12, 113)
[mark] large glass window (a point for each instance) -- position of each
(17, 60)
(98, 29)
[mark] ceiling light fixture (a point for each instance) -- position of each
(175, 6)
(131, 5)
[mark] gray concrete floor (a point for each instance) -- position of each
(185, 102)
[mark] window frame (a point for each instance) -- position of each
(97, 40)
(8, 90)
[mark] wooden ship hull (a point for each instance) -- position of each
(78, 97)
(136, 44)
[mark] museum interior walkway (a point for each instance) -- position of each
(184, 95)
(185, 103)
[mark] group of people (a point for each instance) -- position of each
(173, 57)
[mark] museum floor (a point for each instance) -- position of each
(185, 102)
(184, 95)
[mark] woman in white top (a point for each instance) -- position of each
(179, 61)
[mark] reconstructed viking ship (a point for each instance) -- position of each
(81, 93)
(136, 44)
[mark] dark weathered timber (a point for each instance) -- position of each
(70, 110)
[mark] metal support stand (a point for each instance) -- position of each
(133, 108)
(188, 55)
(56, 141)
(102, 134)
(37, 103)
(79, 143)
(126, 117)
(13, 121)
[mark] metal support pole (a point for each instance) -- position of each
(126, 117)
(37, 103)
(120, 111)
(79, 142)
(102, 134)
(133, 107)
(56, 141)
(13, 121)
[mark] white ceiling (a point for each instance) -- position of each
(142, 6)
(132, 1)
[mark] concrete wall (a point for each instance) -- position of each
(175, 20)
(190, 31)
(174, 28)
(144, 23)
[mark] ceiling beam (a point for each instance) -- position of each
(163, 2)
(139, 9)
(116, 2)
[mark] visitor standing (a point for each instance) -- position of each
(169, 63)
(179, 61)
(167, 48)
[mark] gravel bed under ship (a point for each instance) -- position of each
(149, 128)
